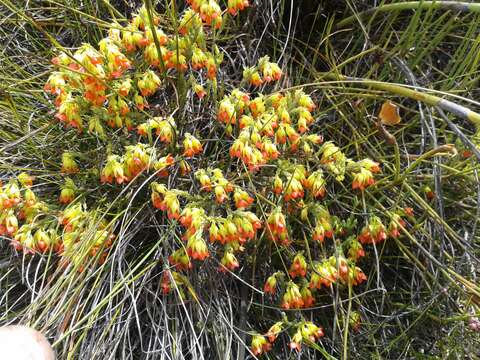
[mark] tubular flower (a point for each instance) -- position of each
(211, 68)
(8, 223)
(362, 179)
(370, 165)
(393, 227)
(274, 331)
(68, 192)
(69, 166)
(190, 21)
(113, 170)
(242, 199)
(277, 185)
(323, 274)
(229, 261)
(293, 190)
(165, 283)
(29, 198)
(355, 251)
(374, 232)
(307, 297)
(260, 345)
(269, 70)
(185, 168)
(270, 286)
(298, 267)
(277, 228)
(204, 180)
(149, 83)
(136, 159)
(226, 112)
(180, 260)
(191, 146)
(319, 233)
(292, 299)
(161, 165)
(310, 331)
(25, 179)
(199, 91)
(356, 275)
(196, 247)
(165, 129)
(296, 342)
(236, 5)
(316, 184)
(165, 200)
(251, 75)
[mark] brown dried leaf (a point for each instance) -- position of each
(389, 114)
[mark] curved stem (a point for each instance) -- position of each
(409, 5)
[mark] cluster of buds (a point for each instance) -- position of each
(194, 220)
(165, 200)
(307, 332)
(14, 207)
(214, 179)
(277, 227)
(374, 232)
(264, 72)
(232, 107)
(148, 83)
(190, 22)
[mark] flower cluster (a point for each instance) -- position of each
(33, 228)
(306, 332)
(101, 85)
(264, 72)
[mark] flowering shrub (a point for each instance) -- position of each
(271, 190)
